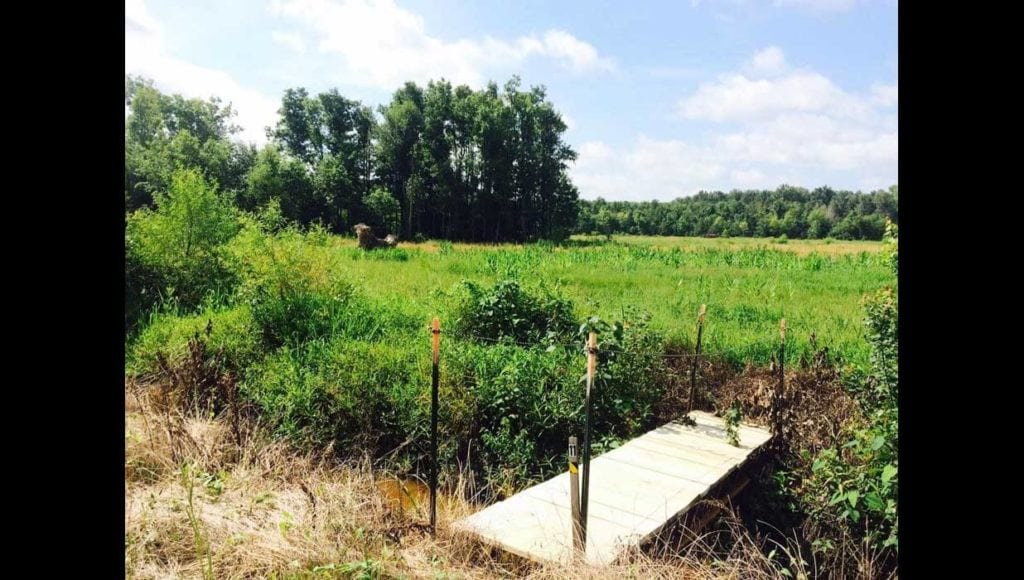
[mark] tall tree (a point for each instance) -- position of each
(165, 133)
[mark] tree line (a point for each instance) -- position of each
(794, 212)
(442, 162)
(436, 162)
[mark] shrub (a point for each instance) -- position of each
(630, 372)
(892, 245)
(391, 255)
(232, 332)
(858, 480)
(354, 395)
(177, 251)
(296, 290)
(523, 403)
(525, 408)
(507, 311)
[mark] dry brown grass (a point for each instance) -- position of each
(260, 509)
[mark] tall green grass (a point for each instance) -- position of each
(331, 342)
(746, 290)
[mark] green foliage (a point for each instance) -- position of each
(859, 479)
(507, 311)
(892, 245)
(232, 331)
(385, 210)
(628, 383)
(528, 401)
(297, 292)
(352, 394)
(167, 133)
(177, 251)
(368, 569)
(331, 347)
(284, 180)
(733, 416)
(525, 409)
(790, 211)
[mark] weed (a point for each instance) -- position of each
(733, 416)
(202, 544)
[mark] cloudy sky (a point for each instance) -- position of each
(662, 99)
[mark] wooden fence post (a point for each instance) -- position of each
(696, 356)
(435, 379)
(584, 500)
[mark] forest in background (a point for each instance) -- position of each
(444, 162)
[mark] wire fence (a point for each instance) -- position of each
(707, 351)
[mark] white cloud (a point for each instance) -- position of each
(812, 141)
(769, 61)
(796, 127)
(579, 55)
(818, 5)
(885, 95)
(290, 40)
(146, 55)
(747, 178)
(645, 170)
(383, 45)
(737, 97)
(137, 20)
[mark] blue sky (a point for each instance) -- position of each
(663, 99)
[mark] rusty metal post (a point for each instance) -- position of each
(696, 356)
(435, 379)
(780, 390)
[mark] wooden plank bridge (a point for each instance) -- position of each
(635, 490)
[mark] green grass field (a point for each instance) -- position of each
(328, 345)
(331, 342)
(747, 284)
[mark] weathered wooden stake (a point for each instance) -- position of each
(591, 368)
(779, 391)
(574, 494)
(696, 356)
(435, 379)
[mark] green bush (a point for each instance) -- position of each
(858, 480)
(144, 288)
(355, 395)
(892, 245)
(524, 408)
(384, 255)
(507, 311)
(630, 372)
(231, 330)
(524, 403)
(297, 291)
(176, 252)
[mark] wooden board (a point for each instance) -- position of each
(634, 490)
